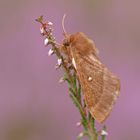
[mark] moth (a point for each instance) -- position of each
(100, 86)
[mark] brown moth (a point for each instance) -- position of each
(100, 86)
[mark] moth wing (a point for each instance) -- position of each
(100, 87)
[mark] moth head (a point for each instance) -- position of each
(68, 40)
(81, 43)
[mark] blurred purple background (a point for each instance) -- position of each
(33, 106)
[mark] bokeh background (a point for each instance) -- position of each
(33, 105)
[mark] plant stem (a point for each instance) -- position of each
(103, 137)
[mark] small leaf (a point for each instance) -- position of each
(40, 19)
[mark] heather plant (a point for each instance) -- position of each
(74, 86)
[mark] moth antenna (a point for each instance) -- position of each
(63, 26)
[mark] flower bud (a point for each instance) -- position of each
(61, 80)
(104, 133)
(81, 135)
(59, 61)
(78, 124)
(46, 41)
(42, 30)
(50, 52)
(50, 23)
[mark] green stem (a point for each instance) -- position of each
(78, 106)
(103, 137)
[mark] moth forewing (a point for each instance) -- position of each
(111, 89)
(100, 87)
